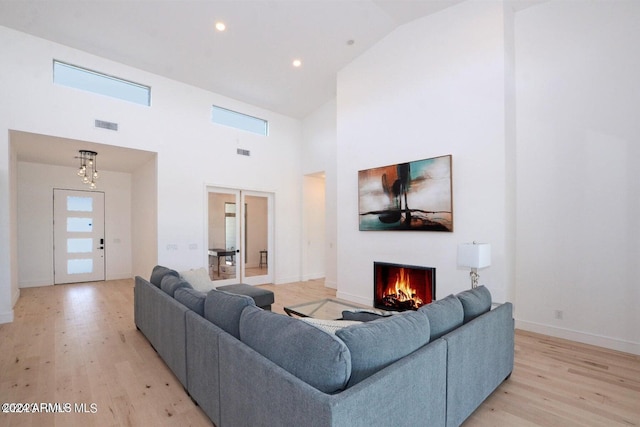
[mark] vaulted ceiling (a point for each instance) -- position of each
(250, 61)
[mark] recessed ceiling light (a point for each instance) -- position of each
(220, 26)
(297, 63)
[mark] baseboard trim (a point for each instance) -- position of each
(15, 298)
(313, 277)
(35, 284)
(583, 337)
(6, 317)
(330, 284)
(354, 298)
(285, 280)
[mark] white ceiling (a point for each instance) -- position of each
(250, 61)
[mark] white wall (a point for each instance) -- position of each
(144, 218)
(319, 155)
(433, 87)
(35, 220)
(192, 152)
(578, 97)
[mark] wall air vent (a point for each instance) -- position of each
(106, 125)
(243, 152)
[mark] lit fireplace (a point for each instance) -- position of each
(402, 287)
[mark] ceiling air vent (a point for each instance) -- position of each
(243, 152)
(106, 125)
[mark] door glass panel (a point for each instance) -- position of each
(79, 266)
(77, 246)
(222, 236)
(80, 225)
(256, 236)
(81, 204)
(230, 225)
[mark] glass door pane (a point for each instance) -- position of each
(258, 244)
(223, 235)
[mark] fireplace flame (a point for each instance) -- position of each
(401, 290)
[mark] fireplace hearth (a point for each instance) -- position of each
(399, 287)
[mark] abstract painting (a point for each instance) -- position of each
(407, 196)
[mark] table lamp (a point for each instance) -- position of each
(474, 256)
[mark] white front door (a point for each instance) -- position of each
(78, 236)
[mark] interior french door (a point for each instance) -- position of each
(78, 236)
(240, 230)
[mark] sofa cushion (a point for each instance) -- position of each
(377, 344)
(475, 302)
(444, 315)
(316, 357)
(191, 298)
(171, 283)
(198, 278)
(223, 310)
(159, 272)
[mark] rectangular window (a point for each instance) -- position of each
(79, 225)
(79, 266)
(79, 246)
(225, 117)
(79, 204)
(92, 81)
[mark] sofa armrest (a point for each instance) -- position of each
(479, 357)
(256, 392)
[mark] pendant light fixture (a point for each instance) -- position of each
(88, 170)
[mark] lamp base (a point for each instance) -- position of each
(474, 278)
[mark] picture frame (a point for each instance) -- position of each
(414, 196)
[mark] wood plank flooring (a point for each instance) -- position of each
(77, 344)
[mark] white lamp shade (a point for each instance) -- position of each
(474, 255)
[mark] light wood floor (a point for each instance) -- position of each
(78, 344)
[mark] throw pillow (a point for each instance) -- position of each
(365, 315)
(444, 315)
(317, 358)
(475, 302)
(159, 272)
(199, 279)
(170, 283)
(329, 326)
(377, 344)
(223, 310)
(191, 298)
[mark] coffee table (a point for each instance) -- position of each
(328, 309)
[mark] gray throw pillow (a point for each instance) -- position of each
(316, 357)
(159, 272)
(364, 315)
(223, 310)
(171, 283)
(475, 302)
(377, 344)
(444, 315)
(191, 298)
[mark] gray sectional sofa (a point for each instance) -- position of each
(246, 366)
